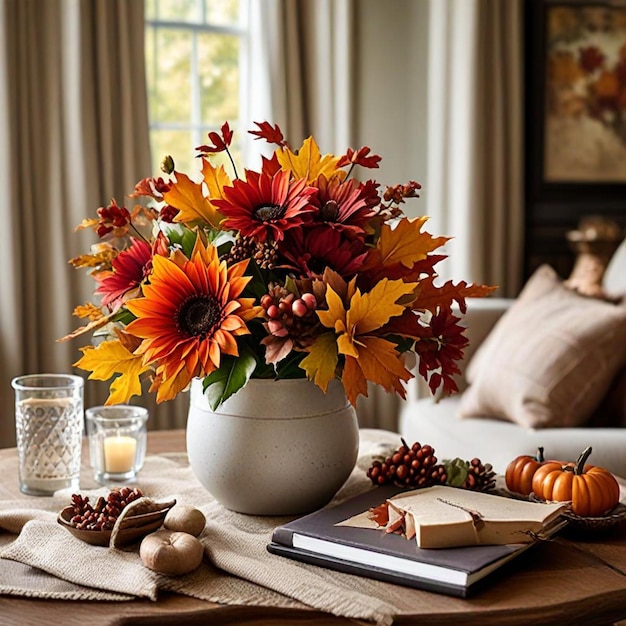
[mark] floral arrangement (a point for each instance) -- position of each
(297, 270)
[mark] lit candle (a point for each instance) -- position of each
(119, 454)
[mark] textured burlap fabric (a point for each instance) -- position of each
(44, 560)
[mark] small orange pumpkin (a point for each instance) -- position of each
(520, 471)
(592, 490)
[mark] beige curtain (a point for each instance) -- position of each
(73, 135)
(305, 68)
(474, 188)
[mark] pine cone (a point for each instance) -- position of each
(406, 467)
(480, 477)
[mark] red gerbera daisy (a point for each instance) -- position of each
(130, 268)
(342, 206)
(264, 207)
(313, 250)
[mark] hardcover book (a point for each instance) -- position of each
(340, 538)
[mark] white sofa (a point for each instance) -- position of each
(436, 422)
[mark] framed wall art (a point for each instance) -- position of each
(575, 117)
(576, 96)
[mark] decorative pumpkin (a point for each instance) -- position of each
(520, 471)
(592, 490)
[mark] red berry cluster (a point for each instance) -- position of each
(284, 309)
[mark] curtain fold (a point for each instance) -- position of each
(474, 189)
(74, 130)
(304, 67)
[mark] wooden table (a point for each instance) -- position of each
(566, 581)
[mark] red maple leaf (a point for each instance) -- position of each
(439, 347)
(271, 134)
(359, 157)
(220, 142)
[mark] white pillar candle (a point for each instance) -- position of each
(119, 454)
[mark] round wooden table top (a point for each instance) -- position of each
(565, 581)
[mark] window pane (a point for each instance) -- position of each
(218, 63)
(176, 143)
(174, 10)
(168, 62)
(224, 12)
(150, 9)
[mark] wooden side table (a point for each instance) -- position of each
(564, 581)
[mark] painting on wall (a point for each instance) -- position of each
(584, 121)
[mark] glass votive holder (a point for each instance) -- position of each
(49, 430)
(117, 441)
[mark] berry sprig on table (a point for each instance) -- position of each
(416, 466)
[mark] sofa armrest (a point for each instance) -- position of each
(481, 316)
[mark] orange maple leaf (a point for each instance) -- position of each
(434, 298)
(406, 243)
(187, 196)
(402, 252)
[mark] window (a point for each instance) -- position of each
(194, 53)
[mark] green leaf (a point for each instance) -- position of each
(456, 471)
(232, 375)
(289, 367)
(257, 287)
(183, 237)
(124, 316)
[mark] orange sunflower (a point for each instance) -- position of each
(190, 314)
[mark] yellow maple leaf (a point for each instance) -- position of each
(111, 358)
(187, 196)
(321, 362)
(370, 311)
(335, 316)
(308, 162)
(215, 178)
(406, 243)
(367, 356)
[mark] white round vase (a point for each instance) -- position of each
(274, 447)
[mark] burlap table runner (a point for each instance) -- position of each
(45, 561)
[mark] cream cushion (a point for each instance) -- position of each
(549, 360)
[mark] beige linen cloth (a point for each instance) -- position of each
(46, 561)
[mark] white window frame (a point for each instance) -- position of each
(195, 126)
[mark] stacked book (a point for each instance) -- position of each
(440, 539)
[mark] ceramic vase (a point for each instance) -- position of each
(275, 447)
